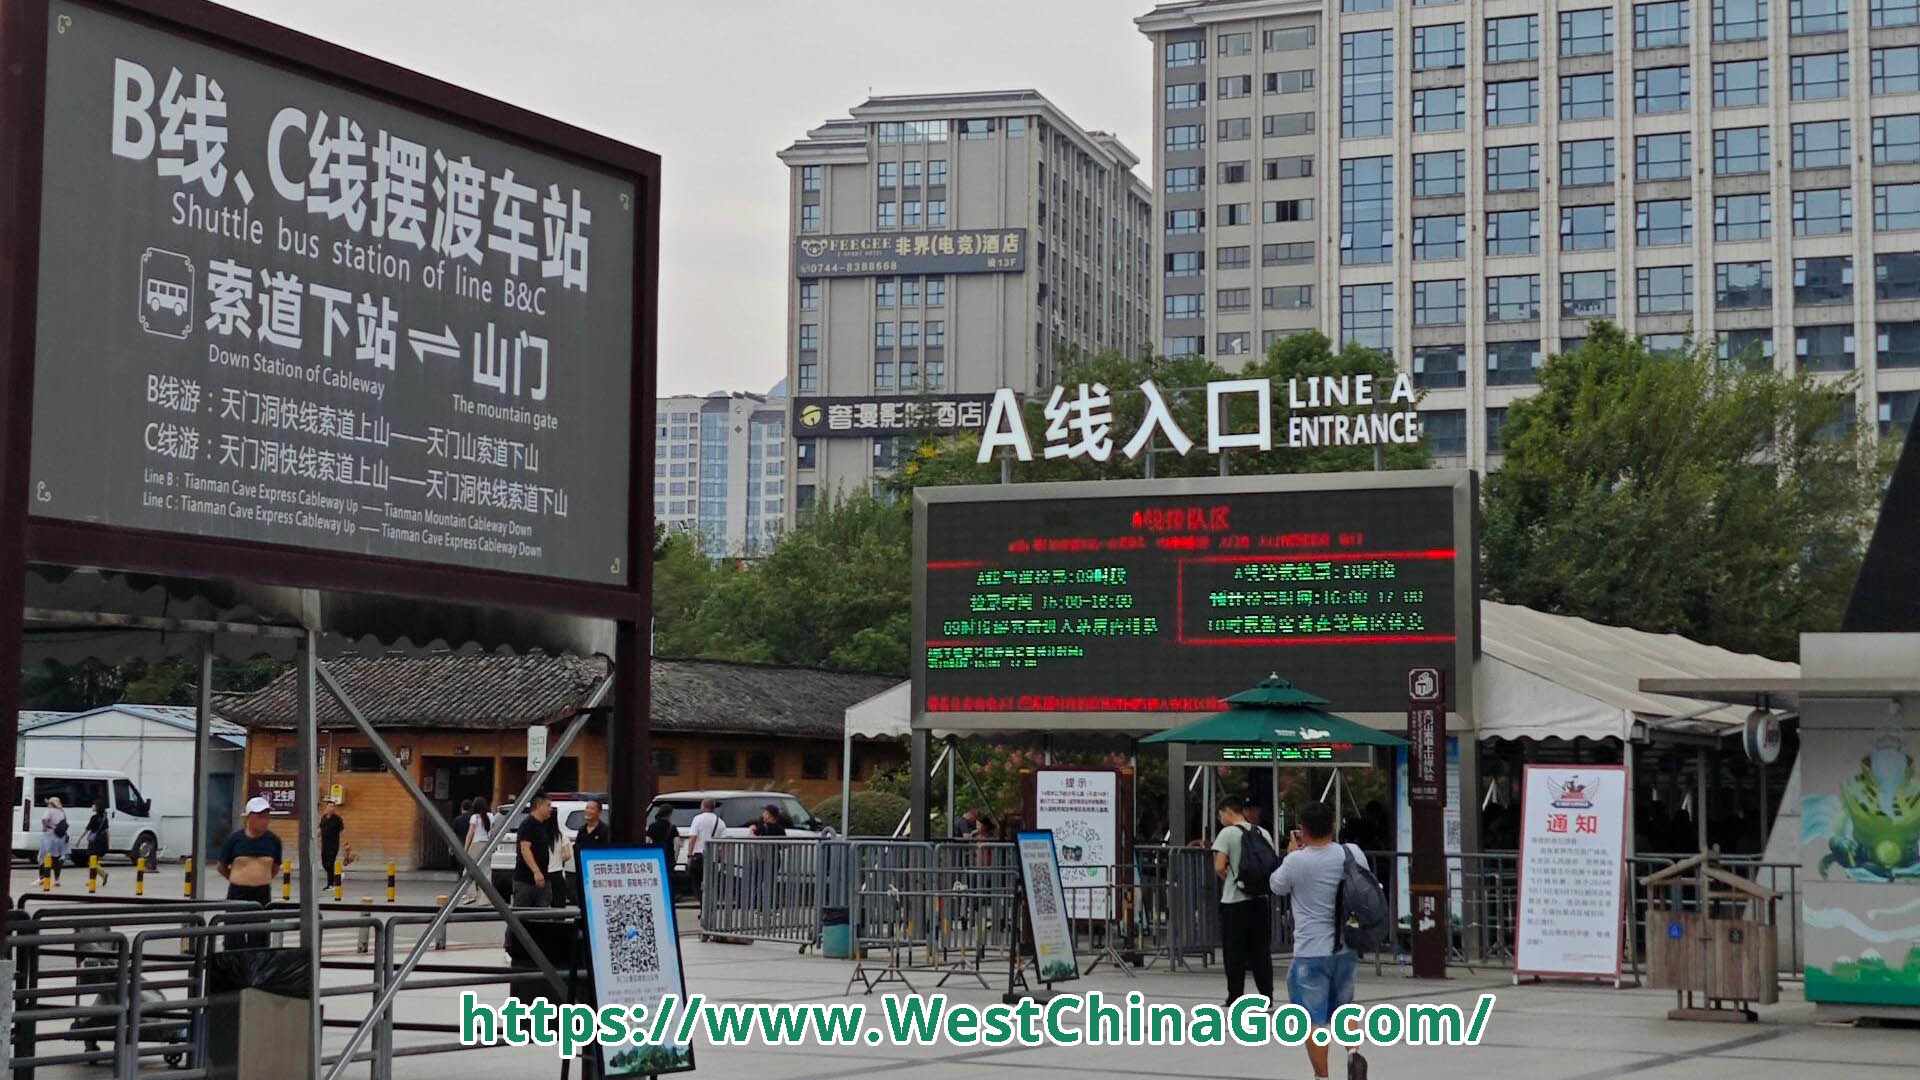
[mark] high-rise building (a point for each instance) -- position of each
(720, 469)
(944, 246)
(1466, 185)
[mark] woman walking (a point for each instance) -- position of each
(94, 841)
(479, 831)
(53, 835)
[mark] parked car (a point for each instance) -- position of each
(569, 808)
(739, 810)
(132, 825)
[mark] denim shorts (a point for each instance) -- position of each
(1321, 984)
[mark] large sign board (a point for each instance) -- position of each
(1123, 599)
(635, 950)
(1081, 809)
(870, 417)
(281, 790)
(1046, 908)
(276, 310)
(963, 251)
(1573, 837)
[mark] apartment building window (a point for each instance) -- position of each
(1179, 96)
(1233, 258)
(1278, 125)
(1366, 315)
(1586, 227)
(912, 131)
(1443, 236)
(1288, 168)
(1586, 162)
(1234, 300)
(1825, 144)
(1661, 344)
(1185, 53)
(1587, 294)
(1186, 345)
(1660, 26)
(1514, 102)
(1824, 348)
(809, 296)
(1513, 38)
(1665, 290)
(810, 218)
(910, 214)
(1823, 212)
(1739, 82)
(1182, 180)
(886, 215)
(1513, 232)
(910, 334)
(1186, 305)
(1185, 263)
(1663, 157)
(1896, 139)
(1441, 172)
(1186, 222)
(936, 335)
(1365, 5)
(1898, 346)
(1439, 303)
(1819, 77)
(1586, 97)
(809, 337)
(1739, 20)
(1896, 71)
(1894, 12)
(1286, 297)
(1816, 16)
(1741, 150)
(1282, 210)
(1742, 217)
(1233, 343)
(810, 176)
(809, 374)
(1752, 349)
(1445, 431)
(1496, 422)
(1234, 128)
(937, 171)
(936, 291)
(1896, 275)
(1440, 45)
(1186, 137)
(1584, 33)
(1439, 367)
(1896, 206)
(1293, 254)
(1236, 214)
(1236, 44)
(883, 371)
(1513, 363)
(1515, 298)
(889, 175)
(1366, 210)
(1289, 82)
(1826, 280)
(1662, 90)
(1441, 109)
(1289, 40)
(1663, 222)
(1235, 86)
(1513, 168)
(1366, 83)
(883, 335)
(1231, 172)
(883, 294)
(1743, 285)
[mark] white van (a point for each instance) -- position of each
(133, 829)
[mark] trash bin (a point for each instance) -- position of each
(836, 934)
(257, 1013)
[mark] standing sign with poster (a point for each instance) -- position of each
(1081, 808)
(635, 949)
(1572, 871)
(1046, 908)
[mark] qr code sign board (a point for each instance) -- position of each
(627, 922)
(1043, 891)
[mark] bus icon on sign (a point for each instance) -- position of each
(1423, 684)
(166, 293)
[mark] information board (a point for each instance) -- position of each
(1081, 808)
(635, 949)
(1046, 908)
(1142, 597)
(1572, 871)
(276, 310)
(281, 790)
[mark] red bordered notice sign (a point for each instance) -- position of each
(1572, 871)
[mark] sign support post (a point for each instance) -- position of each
(1427, 799)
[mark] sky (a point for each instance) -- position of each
(718, 87)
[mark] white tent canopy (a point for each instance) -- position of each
(885, 715)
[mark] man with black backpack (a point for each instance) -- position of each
(1338, 908)
(1243, 857)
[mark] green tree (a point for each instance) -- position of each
(92, 683)
(1680, 494)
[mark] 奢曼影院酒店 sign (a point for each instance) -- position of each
(274, 309)
(847, 417)
(1321, 413)
(959, 251)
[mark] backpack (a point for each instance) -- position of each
(60, 828)
(1360, 912)
(1257, 862)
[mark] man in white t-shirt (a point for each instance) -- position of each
(1246, 922)
(706, 827)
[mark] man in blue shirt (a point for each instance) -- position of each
(249, 860)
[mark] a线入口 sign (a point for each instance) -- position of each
(272, 309)
(866, 417)
(962, 251)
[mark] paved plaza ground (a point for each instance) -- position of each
(1538, 1031)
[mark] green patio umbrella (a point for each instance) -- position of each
(1275, 713)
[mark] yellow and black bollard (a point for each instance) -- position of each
(339, 881)
(46, 873)
(286, 882)
(186, 884)
(390, 882)
(93, 874)
(139, 877)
